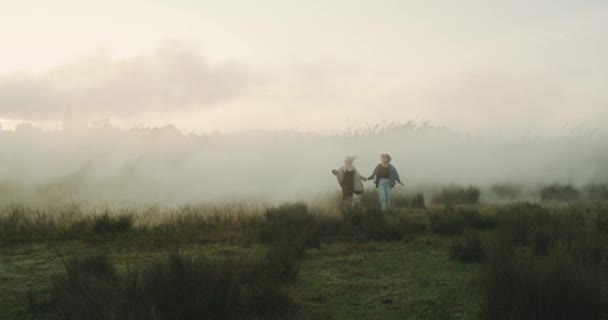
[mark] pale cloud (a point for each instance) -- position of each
(171, 79)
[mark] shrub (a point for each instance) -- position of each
(599, 218)
(88, 290)
(597, 192)
(291, 223)
(112, 224)
(281, 263)
(552, 287)
(447, 223)
(470, 249)
(542, 241)
(558, 192)
(194, 287)
(177, 287)
(384, 226)
(455, 194)
(506, 191)
(370, 199)
(418, 201)
(377, 227)
(410, 226)
(517, 221)
(452, 221)
(400, 200)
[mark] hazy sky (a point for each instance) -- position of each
(477, 66)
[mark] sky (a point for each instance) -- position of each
(478, 66)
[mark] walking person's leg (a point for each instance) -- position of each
(383, 189)
(347, 201)
(388, 191)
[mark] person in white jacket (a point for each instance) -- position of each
(350, 180)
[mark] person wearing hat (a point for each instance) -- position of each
(385, 177)
(350, 180)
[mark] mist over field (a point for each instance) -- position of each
(498, 92)
(103, 164)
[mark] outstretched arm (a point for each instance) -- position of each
(334, 172)
(397, 178)
(373, 174)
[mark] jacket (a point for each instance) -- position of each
(393, 175)
(357, 179)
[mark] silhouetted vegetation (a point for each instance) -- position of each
(534, 258)
(370, 199)
(559, 278)
(417, 201)
(469, 249)
(559, 192)
(450, 221)
(507, 191)
(107, 224)
(455, 194)
(177, 287)
(597, 192)
(400, 200)
(558, 286)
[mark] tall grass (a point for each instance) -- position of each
(455, 194)
(22, 225)
(544, 264)
(559, 192)
(453, 221)
(596, 192)
(507, 191)
(176, 287)
(469, 249)
(557, 286)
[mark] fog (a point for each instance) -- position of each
(103, 164)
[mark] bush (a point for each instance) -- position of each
(599, 218)
(370, 199)
(178, 287)
(410, 226)
(193, 288)
(455, 194)
(517, 221)
(418, 201)
(507, 191)
(558, 192)
(112, 224)
(384, 226)
(597, 192)
(452, 221)
(552, 287)
(470, 249)
(290, 223)
(88, 290)
(377, 227)
(400, 200)
(542, 241)
(281, 263)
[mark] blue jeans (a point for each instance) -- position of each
(384, 191)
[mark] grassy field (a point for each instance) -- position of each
(515, 261)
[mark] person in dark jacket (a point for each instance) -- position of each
(385, 177)
(350, 181)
